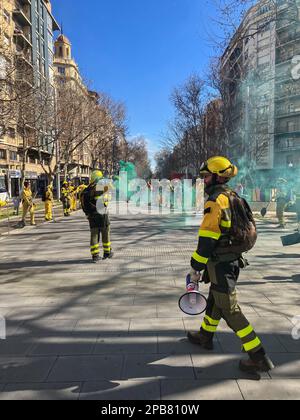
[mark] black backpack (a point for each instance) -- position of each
(243, 232)
(86, 199)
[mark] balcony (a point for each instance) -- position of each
(24, 57)
(21, 38)
(287, 91)
(286, 113)
(21, 17)
(288, 145)
(287, 131)
(288, 39)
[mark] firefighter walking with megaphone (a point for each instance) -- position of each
(227, 231)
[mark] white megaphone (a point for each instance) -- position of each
(192, 302)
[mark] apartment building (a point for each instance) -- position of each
(262, 98)
(27, 30)
(66, 70)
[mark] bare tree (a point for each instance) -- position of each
(230, 14)
(137, 153)
(196, 132)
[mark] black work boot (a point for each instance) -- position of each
(251, 366)
(200, 339)
(107, 256)
(96, 258)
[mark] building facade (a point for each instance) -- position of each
(263, 99)
(26, 44)
(66, 70)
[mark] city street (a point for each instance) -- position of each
(113, 331)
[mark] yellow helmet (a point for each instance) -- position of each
(96, 176)
(220, 166)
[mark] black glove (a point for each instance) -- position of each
(205, 277)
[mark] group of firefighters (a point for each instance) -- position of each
(70, 194)
(93, 201)
(227, 231)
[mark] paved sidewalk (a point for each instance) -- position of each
(114, 330)
(8, 226)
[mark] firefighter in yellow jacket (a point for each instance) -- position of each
(221, 265)
(28, 204)
(80, 189)
(49, 203)
(66, 198)
(73, 196)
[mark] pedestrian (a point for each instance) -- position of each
(297, 204)
(95, 201)
(223, 237)
(28, 204)
(49, 203)
(66, 198)
(282, 201)
(16, 205)
(73, 196)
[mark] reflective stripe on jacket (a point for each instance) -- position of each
(216, 224)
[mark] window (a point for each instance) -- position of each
(291, 126)
(13, 156)
(62, 71)
(11, 132)
(2, 154)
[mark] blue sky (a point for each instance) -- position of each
(138, 51)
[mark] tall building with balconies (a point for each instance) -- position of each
(287, 89)
(26, 43)
(263, 100)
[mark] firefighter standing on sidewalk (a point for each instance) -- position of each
(73, 196)
(66, 198)
(49, 203)
(28, 204)
(95, 201)
(220, 258)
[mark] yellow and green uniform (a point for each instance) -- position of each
(222, 270)
(96, 209)
(49, 204)
(80, 190)
(73, 197)
(66, 199)
(28, 205)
